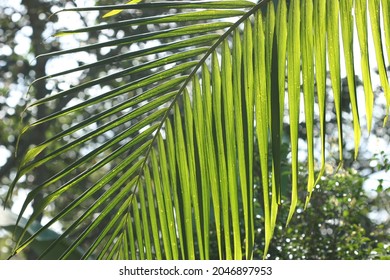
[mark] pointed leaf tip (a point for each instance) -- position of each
(115, 12)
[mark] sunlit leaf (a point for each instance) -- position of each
(178, 138)
(115, 12)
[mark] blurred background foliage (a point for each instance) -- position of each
(342, 220)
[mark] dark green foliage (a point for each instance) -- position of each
(335, 225)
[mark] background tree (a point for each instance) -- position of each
(338, 225)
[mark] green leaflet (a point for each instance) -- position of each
(228, 117)
(386, 25)
(171, 33)
(273, 110)
(307, 45)
(171, 154)
(202, 142)
(320, 24)
(293, 76)
(281, 36)
(206, 39)
(220, 154)
(180, 17)
(152, 213)
(347, 35)
(147, 242)
(361, 26)
(211, 158)
(278, 95)
(184, 175)
(190, 145)
(333, 41)
(247, 99)
(373, 7)
(238, 147)
(160, 205)
(262, 124)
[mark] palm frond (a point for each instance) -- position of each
(182, 125)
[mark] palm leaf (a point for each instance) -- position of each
(179, 165)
